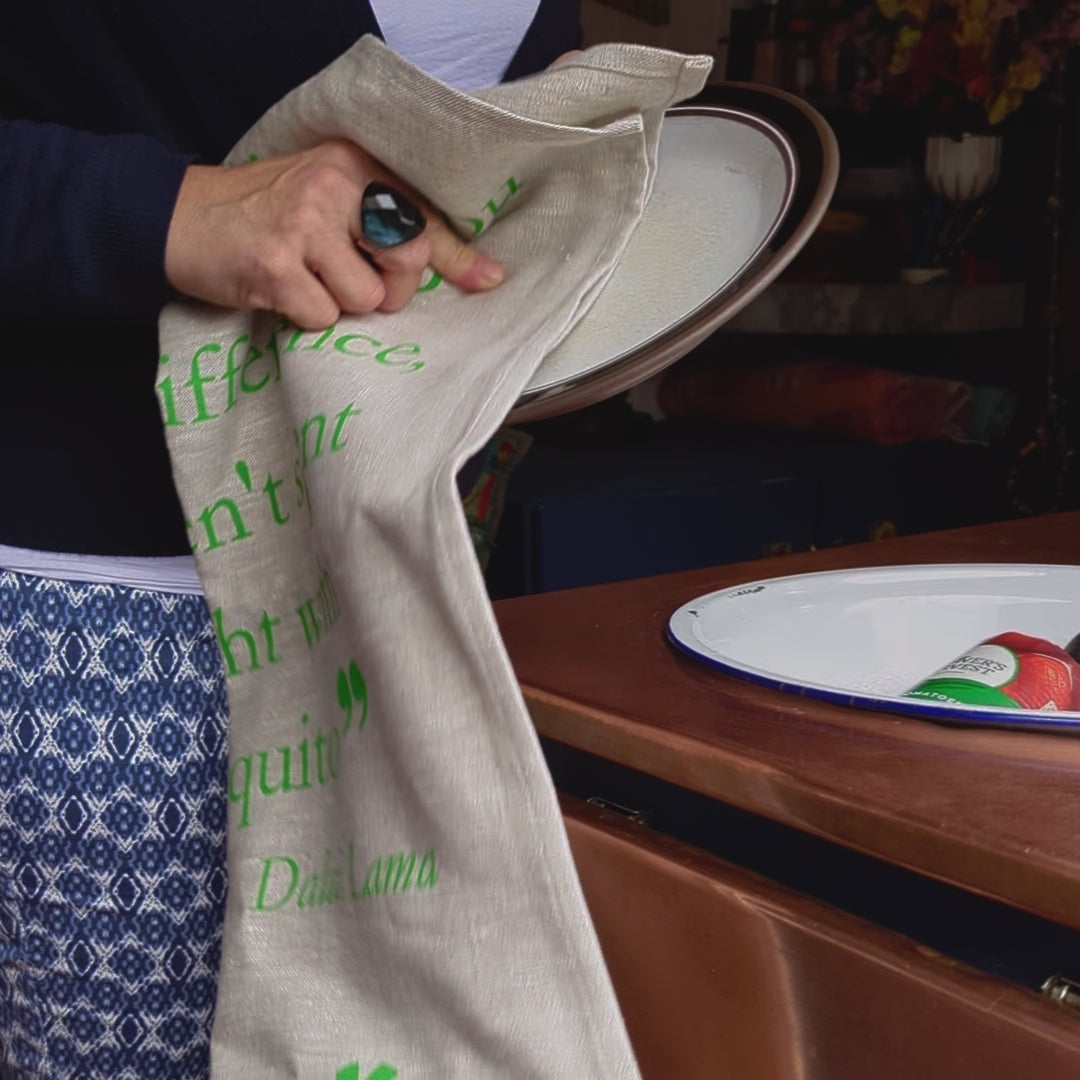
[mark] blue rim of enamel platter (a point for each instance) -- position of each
(941, 713)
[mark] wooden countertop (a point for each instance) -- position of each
(997, 812)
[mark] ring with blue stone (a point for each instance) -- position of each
(388, 218)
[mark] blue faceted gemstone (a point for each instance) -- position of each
(388, 218)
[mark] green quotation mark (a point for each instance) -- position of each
(352, 1072)
(352, 689)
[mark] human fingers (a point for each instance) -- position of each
(402, 269)
(392, 231)
(390, 214)
(354, 283)
(566, 58)
(282, 235)
(306, 302)
(458, 263)
(275, 235)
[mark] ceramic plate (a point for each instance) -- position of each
(864, 637)
(725, 180)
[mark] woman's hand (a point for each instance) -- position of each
(284, 235)
(566, 58)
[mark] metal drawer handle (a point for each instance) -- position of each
(1062, 990)
(640, 817)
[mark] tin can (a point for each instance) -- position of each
(1008, 671)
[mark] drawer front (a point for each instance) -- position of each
(723, 975)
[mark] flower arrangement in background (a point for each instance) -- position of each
(968, 63)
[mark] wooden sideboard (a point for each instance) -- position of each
(726, 969)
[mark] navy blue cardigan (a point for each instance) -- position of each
(103, 104)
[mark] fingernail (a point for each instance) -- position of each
(489, 273)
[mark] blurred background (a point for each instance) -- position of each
(917, 367)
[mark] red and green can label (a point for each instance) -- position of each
(1009, 671)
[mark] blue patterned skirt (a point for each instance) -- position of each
(113, 731)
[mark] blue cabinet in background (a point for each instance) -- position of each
(687, 497)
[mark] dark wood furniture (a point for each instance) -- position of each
(724, 972)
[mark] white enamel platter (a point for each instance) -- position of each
(726, 179)
(863, 637)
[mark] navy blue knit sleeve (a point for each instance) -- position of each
(83, 224)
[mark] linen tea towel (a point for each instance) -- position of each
(402, 900)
